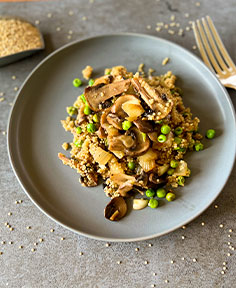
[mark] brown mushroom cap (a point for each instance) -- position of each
(96, 95)
(115, 209)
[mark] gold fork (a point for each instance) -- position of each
(213, 52)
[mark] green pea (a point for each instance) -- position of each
(178, 131)
(126, 125)
(150, 193)
(170, 171)
(91, 82)
(71, 110)
(161, 193)
(210, 134)
(153, 203)
(177, 140)
(108, 72)
(170, 196)
(87, 110)
(165, 129)
(131, 165)
(83, 98)
(77, 82)
(78, 130)
(180, 180)
(78, 143)
(174, 164)
(161, 138)
(198, 147)
(91, 128)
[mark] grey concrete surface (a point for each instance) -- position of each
(59, 263)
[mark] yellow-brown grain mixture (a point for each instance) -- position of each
(17, 35)
(132, 131)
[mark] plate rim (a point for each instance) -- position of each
(90, 235)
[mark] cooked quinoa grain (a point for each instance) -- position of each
(87, 72)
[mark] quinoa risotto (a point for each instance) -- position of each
(132, 131)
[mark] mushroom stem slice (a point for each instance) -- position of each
(115, 209)
(115, 215)
(96, 95)
(156, 100)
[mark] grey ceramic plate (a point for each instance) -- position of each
(35, 136)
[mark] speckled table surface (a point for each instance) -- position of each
(34, 255)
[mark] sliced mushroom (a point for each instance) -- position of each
(117, 106)
(103, 120)
(114, 120)
(144, 126)
(111, 131)
(139, 204)
(122, 178)
(142, 144)
(124, 188)
(156, 99)
(121, 142)
(155, 179)
(115, 209)
(132, 143)
(98, 94)
(153, 136)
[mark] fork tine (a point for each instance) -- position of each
(200, 46)
(213, 46)
(220, 43)
(208, 49)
